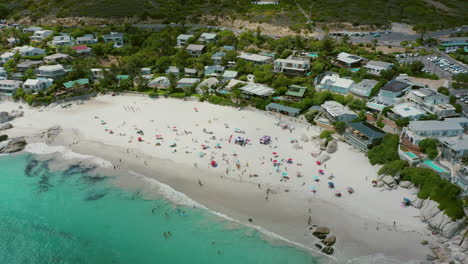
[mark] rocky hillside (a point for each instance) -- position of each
(449, 13)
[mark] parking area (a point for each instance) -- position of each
(462, 98)
(442, 66)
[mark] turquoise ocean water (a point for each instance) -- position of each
(72, 217)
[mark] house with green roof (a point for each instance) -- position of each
(362, 135)
(296, 91)
(81, 83)
(285, 110)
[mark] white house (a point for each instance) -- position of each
(432, 101)
(3, 72)
(257, 90)
(409, 111)
(335, 111)
(29, 51)
(55, 58)
(393, 92)
(12, 41)
(97, 73)
(332, 82)
(9, 86)
(292, 65)
(195, 50)
(6, 56)
(265, 2)
(37, 85)
(114, 37)
(63, 40)
(208, 37)
(161, 82)
(255, 58)
(207, 84)
(376, 67)
(86, 40)
(31, 29)
(41, 35)
(363, 88)
(187, 82)
(349, 60)
(182, 39)
(51, 71)
(229, 75)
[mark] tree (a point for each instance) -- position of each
(429, 147)
(444, 91)
(402, 122)
(386, 151)
(416, 67)
(393, 167)
(339, 126)
(326, 134)
(460, 79)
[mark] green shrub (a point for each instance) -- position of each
(177, 95)
(429, 147)
(3, 138)
(393, 167)
(327, 135)
(385, 152)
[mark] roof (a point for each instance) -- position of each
(70, 84)
(348, 58)
(28, 63)
(113, 35)
(367, 83)
(257, 89)
(184, 36)
(336, 109)
(188, 80)
(56, 67)
(254, 57)
(195, 47)
(10, 82)
(335, 80)
(456, 143)
(407, 110)
(190, 70)
(229, 47)
(80, 47)
(296, 90)
(122, 77)
(283, 108)
(33, 82)
(208, 35)
(395, 86)
(57, 56)
(367, 129)
(447, 124)
(218, 54)
(210, 82)
(379, 65)
(230, 74)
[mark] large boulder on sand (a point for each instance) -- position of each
(16, 114)
(321, 232)
(332, 146)
(14, 145)
(329, 240)
(380, 184)
(389, 181)
(4, 117)
(429, 209)
(6, 126)
(304, 138)
(328, 250)
(323, 157)
(405, 184)
(323, 144)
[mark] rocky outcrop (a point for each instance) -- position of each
(16, 113)
(438, 220)
(4, 117)
(442, 255)
(323, 144)
(14, 145)
(52, 133)
(332, 146)
(328, 250)
(6, 126)
(405, 184)
(321, 232)
(330, 240)
(389, 181)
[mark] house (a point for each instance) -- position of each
(432, 102)
(393, 92)
(362, 135)
(86, 40)
(31, 29)
(80, 83)
(51, 71)
(40, 35)
(296, 92)
(187, 82)
(56, 58)
(336, 112)
(454, 149)
(409, 111)
(214, 70)
(218, 57)
(452, 44)
(376, 67)
(332, 82)
(36, 85)
(12, 41)
(183, 39)
(6, 56)
(97, 73)
(207, 84)
(460, 178)
(285, 110)
(265, 2)
(363, 88)
(255, 58)
(114, 37)
(81, 49)
(349, 60)
(29, 51)
(292, 65)
(190, 72)
(173, 70)
(256, 89)
(63, 40)
(9, 86)
(208, 37)
(229, 48)
(419, 130)
(161, 82)
(3, 73)
(195, 50)
(25, 65)
(229, 75)
(145, 71)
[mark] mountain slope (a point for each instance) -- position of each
(438, 13)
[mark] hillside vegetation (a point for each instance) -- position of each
(449, 13)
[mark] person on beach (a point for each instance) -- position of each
(200, 183)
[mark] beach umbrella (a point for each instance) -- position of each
(313, 188)
(316, 178)
(218, 144)
(331, 185)
(274, 153)
(285, 174)
(275, 161)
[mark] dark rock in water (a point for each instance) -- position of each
(321, 232)
(318, 245)
(6, 126)
(79, 169)
(52, 133)
(44, 184)
(94, 179)
(29, 170)
(328, 250)
(329, 241)
(14, 145)
(4, 117)
(95, 197)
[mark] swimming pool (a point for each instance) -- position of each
(431, 164)
(411, 155)
(355, 69)
(223, 92)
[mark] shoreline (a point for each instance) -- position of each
(284, 213)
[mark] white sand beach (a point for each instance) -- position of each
(237, 187)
